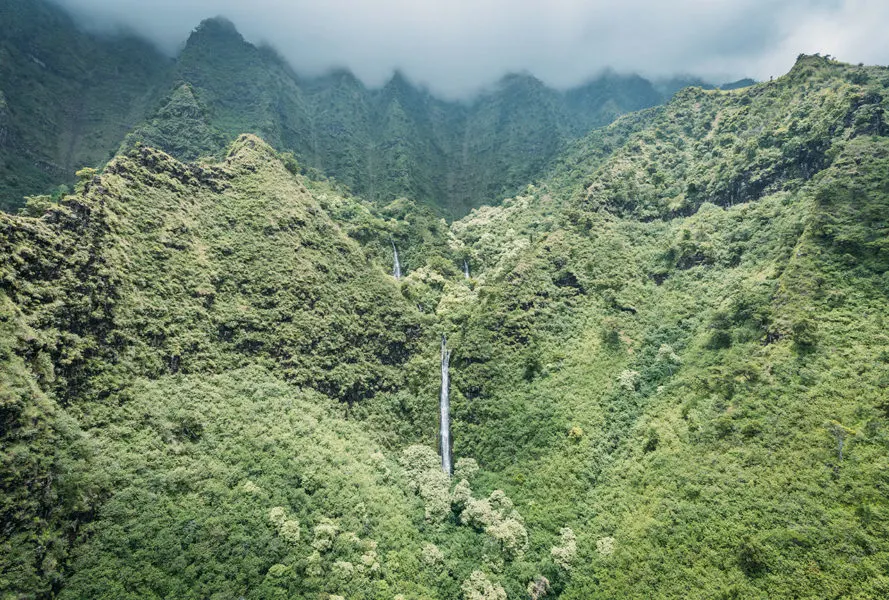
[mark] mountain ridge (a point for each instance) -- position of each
(451, 155)
(601, 348)
(669, 360)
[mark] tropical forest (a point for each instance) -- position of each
(268, 334)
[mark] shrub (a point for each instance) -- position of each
(605, 546)
(804, 330)
(428, 480)
(466, 468)
(565, 553)
(628, 380)
(431, 554)
(479, 587)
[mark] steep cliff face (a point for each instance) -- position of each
(71, 96)
(182, 127)
(75, 96)
(398, 140)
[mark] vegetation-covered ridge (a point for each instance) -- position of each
(219, 300)
(68, 98)
(668, 373)
(686, 379)
(399, 140)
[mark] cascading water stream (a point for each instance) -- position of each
(445, 407)
(396, 268)
(466, 268)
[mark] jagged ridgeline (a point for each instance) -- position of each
(179, 306)
(399, 140)
(666, 367)
(68, 99)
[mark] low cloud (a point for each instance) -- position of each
(457, 46)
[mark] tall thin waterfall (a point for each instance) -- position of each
(445, 406)
(466, 268)
(396, 268)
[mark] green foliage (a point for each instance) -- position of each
(290, 163)
(45, 489)
(479, 587)
(181, 127)
(565, 553)
(382, 143)
(313, 512)
(67, 97)
(35, 206)
(733, 147)
(682, 345)
(669, 364)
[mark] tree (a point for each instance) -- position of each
(479, 587)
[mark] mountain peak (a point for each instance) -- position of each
(250, 150)
(216, 29)
(399, 81)
(806, 62)
(520, 79)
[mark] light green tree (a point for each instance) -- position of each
(479, 587)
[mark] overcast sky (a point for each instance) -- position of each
(457, 46)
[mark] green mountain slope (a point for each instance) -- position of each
(669, 362)
(157, 268)
(67, 98)
(184, 344)
(697, 387)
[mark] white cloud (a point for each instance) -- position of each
(457, 46)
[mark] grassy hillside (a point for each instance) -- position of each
(669, 368)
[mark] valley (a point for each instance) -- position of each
(653, 326)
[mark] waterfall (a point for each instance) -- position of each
(466, 268)
(445, 406)
(396, 269)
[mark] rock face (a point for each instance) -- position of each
(181, 128)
